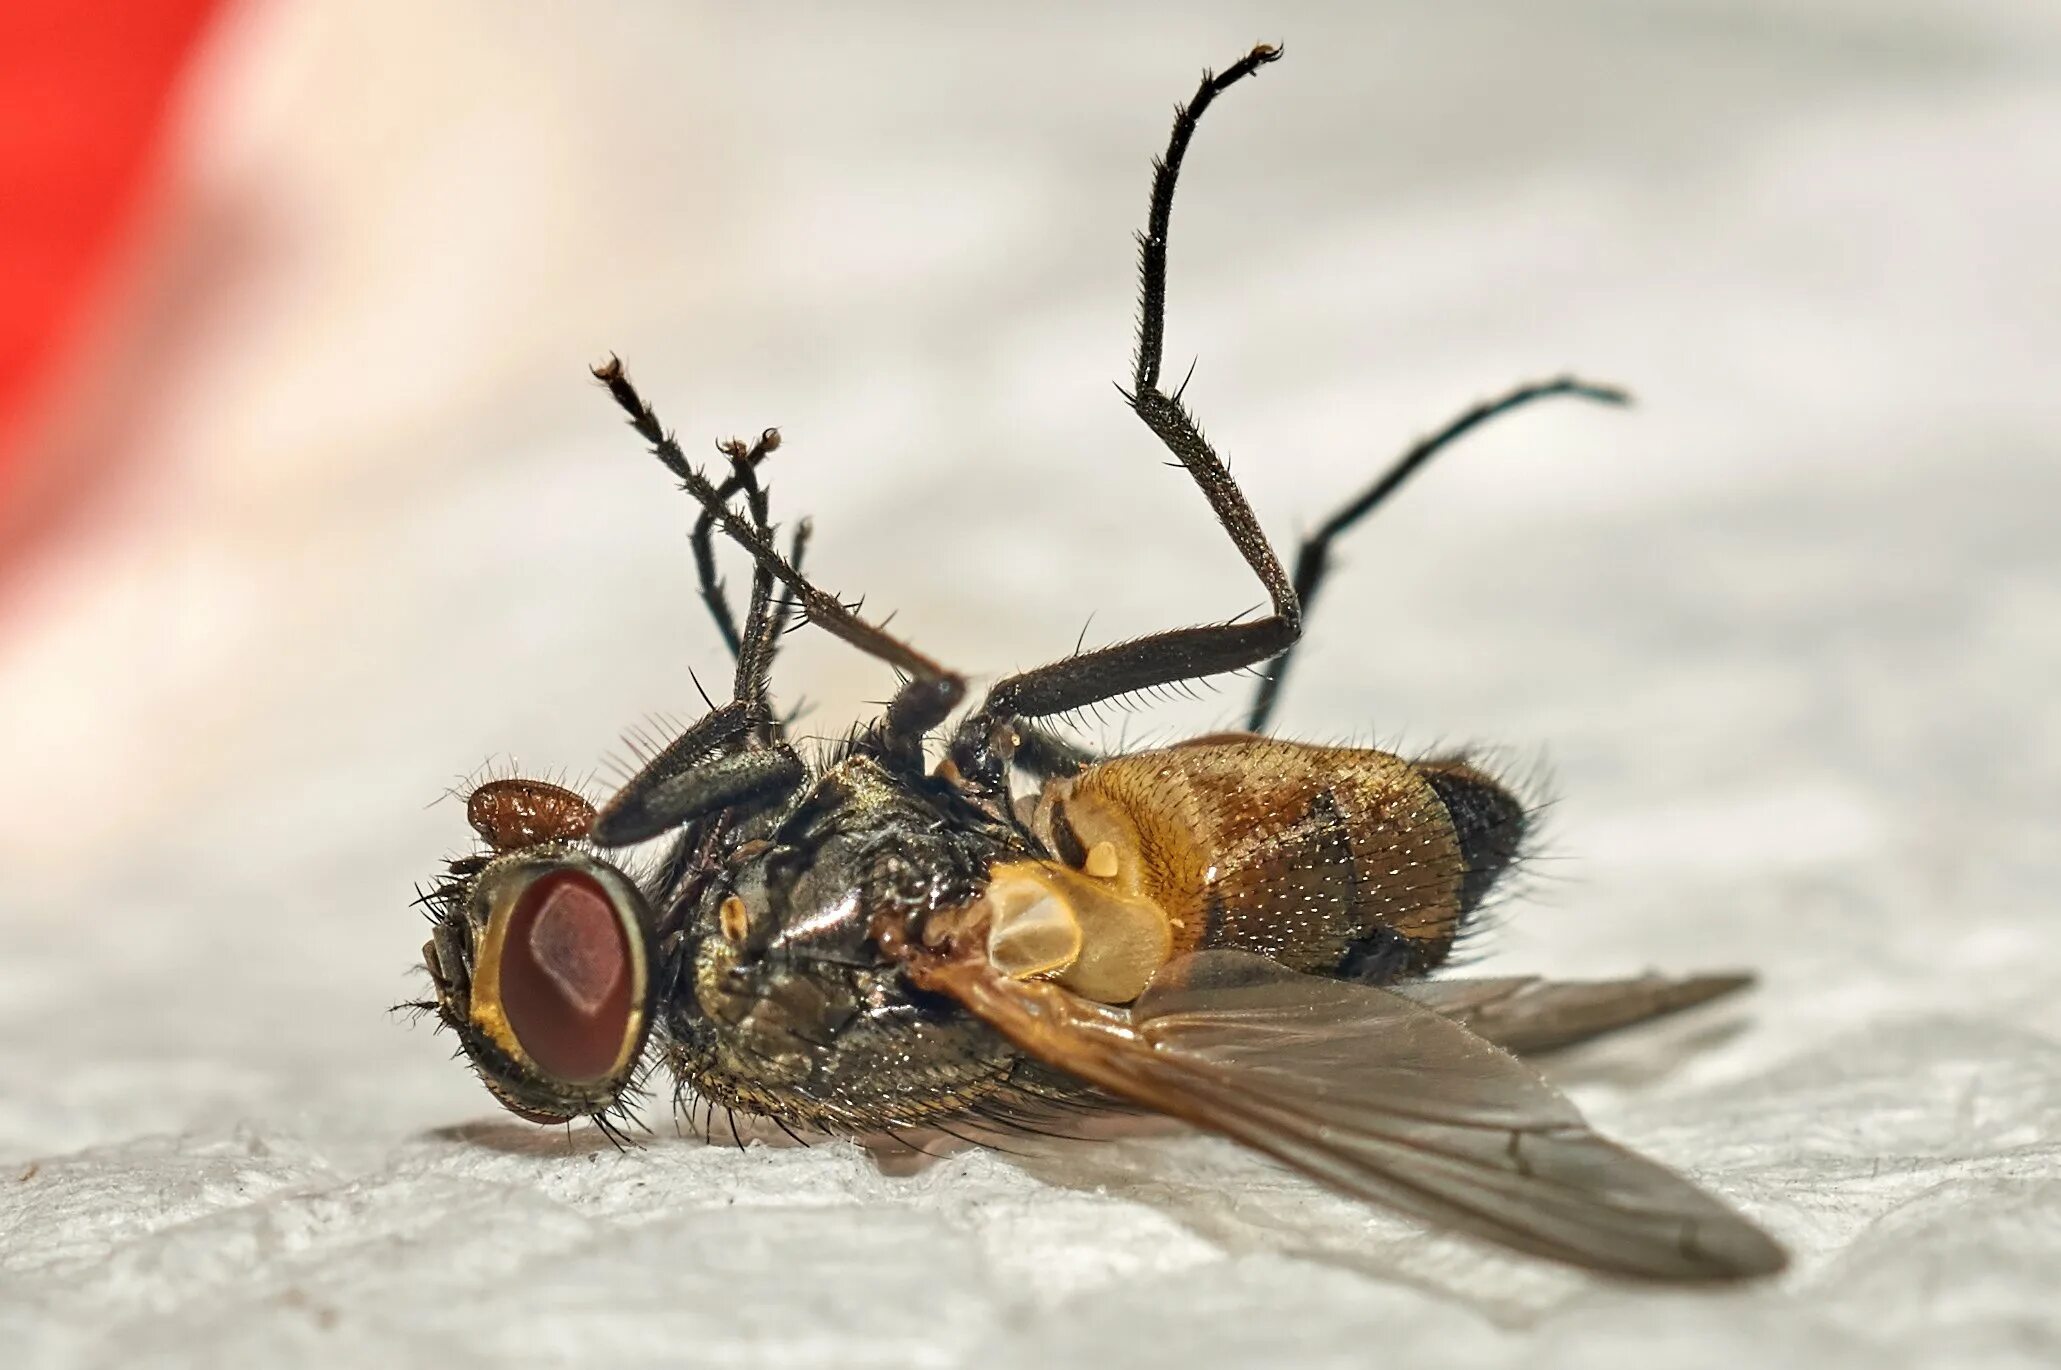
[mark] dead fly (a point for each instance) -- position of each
(1235, 931)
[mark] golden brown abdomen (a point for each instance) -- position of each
(1332, 860)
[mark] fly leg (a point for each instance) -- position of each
(690, 786)
(755, 647)
(929, 691)
(744, 464)
(737, 755)
(1045, 755)
(991, 732)
(1313, 558)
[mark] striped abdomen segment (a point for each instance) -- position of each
(1331, 860)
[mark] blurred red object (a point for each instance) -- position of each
(85, 92)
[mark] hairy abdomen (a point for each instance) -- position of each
(1332, 860)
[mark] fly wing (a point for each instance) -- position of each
(1381, 1098)
(1529, 1015)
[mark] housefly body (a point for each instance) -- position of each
(978, 926)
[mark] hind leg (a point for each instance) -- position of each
(1313, 559)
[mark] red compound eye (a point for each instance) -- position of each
(565, 976)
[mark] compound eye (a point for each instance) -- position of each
(566, 976)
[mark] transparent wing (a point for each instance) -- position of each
(1381, 1098)
(1529, 1015)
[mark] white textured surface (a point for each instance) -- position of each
(1787, 634)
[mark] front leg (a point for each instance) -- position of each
(929, 692)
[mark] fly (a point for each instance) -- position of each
(1238, 932)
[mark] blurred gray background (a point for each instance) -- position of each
(1784, 635)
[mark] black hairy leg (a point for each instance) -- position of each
(1044, 755)
(744, 464)
(929, 692)
(659, 801)
(1313, 558)
(736, 756)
